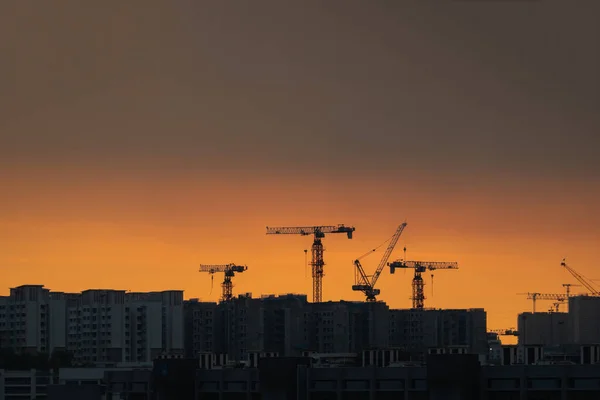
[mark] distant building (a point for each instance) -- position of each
(106, 326)
(343, 327)
(97, 326)
(199, 327)
(25, 322)
(418, 330)
(109, 326)
(238, 327)
(543, 328)
(283, 321)
(584, 321)
(287, 325)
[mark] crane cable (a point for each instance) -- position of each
(305, 262)
(376, 248)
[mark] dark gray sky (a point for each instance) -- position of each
(462, 88)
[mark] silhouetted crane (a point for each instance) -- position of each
(317, 262)
(544, 296)
(418, 296)
(585, 282)
(555, 307)
(568, 286)
(229, 271)
(362, 282)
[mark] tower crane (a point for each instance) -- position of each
(317, 249)
(362, 282)
(558, 298)
(418, 296)
(555, 307)
(568, 286)
(585, 282)
(543, 296)
(229, 271)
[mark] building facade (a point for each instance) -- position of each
(547, 328)
(288, 325)
(26, 323)
(96, 326)
(419, 330)
(584, 321)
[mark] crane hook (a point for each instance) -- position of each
(305, 263)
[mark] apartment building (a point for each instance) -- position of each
(96, 325)
(238, 327)
(342, 327)
(419, 330)
(584, 324)
(198, 327)
(114, 326)
(25, 322)
(286, 325)
(543, 328)
(169, 311)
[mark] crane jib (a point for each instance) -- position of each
(366, 283)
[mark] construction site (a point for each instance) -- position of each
(243, 346)
(363, 282)
(291, 325)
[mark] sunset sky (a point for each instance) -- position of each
(139, 139)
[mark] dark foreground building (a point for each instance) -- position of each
(445, 377)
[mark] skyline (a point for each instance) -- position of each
(137, 143)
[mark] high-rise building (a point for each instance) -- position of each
(24, 320)
(96, 326)
(238, 327)
(199, 327)
(171, 313)
(543, 328)
(418, 330)
(114, 326)
(343, 327)
(584, 323)
(282, 320)
(99, 326)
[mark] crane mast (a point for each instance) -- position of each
(361, 279)
(317, 250)
(418, 295)
(229, 271)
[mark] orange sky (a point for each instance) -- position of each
(151, 235)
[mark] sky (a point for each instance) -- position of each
(141, 139)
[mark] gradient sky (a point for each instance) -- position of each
(139, 139)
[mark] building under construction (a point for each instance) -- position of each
(289, 325)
